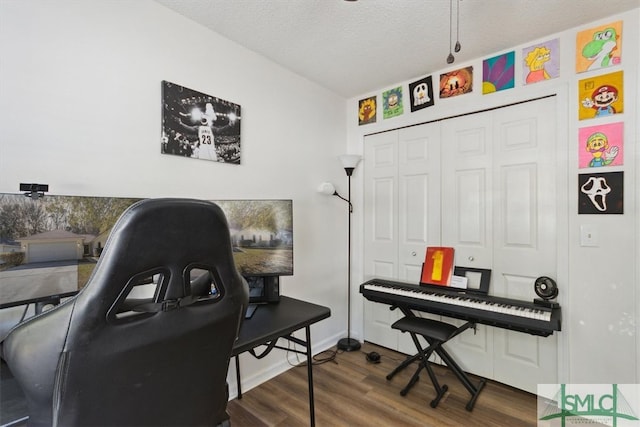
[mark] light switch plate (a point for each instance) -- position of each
(588, 235)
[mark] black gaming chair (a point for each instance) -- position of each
(106, 358)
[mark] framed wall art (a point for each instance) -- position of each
(541, 62)
(599, 47)
(456, 82)
(498, 73)
(199, 126)
(367, 110)
(601, 96)
(421, 92)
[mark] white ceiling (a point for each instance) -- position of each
(353, 47)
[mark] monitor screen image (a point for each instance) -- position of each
(51, 245)
(261, 235)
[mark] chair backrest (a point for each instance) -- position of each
(105, 358)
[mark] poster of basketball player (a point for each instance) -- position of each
(199, 126)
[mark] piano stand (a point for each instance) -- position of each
(435, 333)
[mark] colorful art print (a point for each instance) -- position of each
(601, 96)
(601, 193)
(392, 103)
(199, 126)
(367, 110)
(437, 268)
(421, 93)
(599, 47)
(541, 62)
(601, 145)
(498, 73)
(456, 82)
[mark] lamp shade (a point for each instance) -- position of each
(327, 188)
(350, 161)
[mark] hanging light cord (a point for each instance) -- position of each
(450, 23)
(450, 57)
(458, 45)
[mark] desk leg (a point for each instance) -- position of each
(312, 412)
(238, 376)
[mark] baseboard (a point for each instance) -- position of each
(252, 374)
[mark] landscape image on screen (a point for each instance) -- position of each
(261, 235)
(51, 245)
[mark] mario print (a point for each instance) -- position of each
(601, 96)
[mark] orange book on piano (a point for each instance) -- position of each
(438, 266)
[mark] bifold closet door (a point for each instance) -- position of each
(402, 215)
(499, 172)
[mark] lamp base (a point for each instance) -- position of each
(348, 344)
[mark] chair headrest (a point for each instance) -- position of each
(167, 236)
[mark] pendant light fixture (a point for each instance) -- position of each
(450, 58)
(458, 45)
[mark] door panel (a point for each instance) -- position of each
(419, 199)
(525, 233)
(466, 197)
(402, 216)
(381, 206)
(466, 226)
(381, 231)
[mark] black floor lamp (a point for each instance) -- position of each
(349, 161)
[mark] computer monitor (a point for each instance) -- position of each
(261, 235)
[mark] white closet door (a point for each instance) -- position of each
(496, 203)
(525, 233)
(419, 205)
(419, 198)
(467, 211)
(499, 212)
(380, 230)
(402, 216)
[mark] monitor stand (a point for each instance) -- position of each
(251, 308)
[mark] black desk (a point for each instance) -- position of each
(273, 321)
(39, 301)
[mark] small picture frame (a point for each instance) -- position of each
(478, 279)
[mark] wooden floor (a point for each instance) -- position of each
(350, 391)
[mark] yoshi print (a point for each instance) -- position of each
(601, 145)
(599, 47)
(541, 62)
(601, 96)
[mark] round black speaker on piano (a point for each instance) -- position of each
(546, 288)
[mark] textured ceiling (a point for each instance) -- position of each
(354, 47)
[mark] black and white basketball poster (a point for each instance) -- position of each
(199, 126)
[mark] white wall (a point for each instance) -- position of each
(598, 286)
(80, 110)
